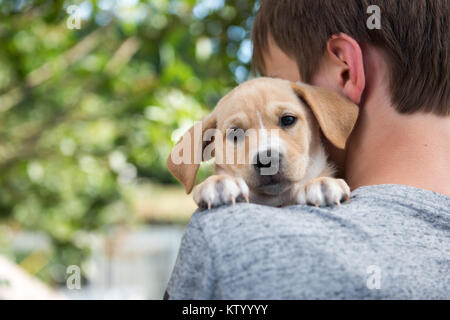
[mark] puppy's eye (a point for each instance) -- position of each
(235, 134)
(287, 121)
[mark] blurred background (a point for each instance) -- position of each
(93, 96)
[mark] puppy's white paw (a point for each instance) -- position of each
(220, 190)
(323, 191)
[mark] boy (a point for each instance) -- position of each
(392, 240)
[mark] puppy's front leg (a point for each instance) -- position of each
(322, 191)
(220, 190)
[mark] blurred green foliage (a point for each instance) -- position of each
(85, 113)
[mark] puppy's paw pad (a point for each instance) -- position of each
(220, 190)
(323, 191)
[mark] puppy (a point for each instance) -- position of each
(265, 136)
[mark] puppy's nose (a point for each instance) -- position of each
(263, 159)
(267, 162)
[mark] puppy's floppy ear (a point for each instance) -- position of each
(184, 160)
(335, 113)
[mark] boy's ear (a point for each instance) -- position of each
(335, 113)
(184, 160)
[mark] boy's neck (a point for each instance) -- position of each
(390, 148)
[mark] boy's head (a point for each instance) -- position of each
(305, 37)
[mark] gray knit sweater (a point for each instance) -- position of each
(389, 242)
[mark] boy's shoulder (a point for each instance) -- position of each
(368, 206)
(308, 252)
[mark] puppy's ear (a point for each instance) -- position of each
(335, 113)
(184, 160)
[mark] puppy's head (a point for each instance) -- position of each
(266, 132)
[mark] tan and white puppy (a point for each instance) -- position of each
(270, 129)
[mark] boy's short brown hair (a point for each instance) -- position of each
(413, 35)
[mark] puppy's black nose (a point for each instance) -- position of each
(263, 160)
(267, 163)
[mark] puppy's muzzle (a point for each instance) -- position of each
(267, 163)
(268, 166)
